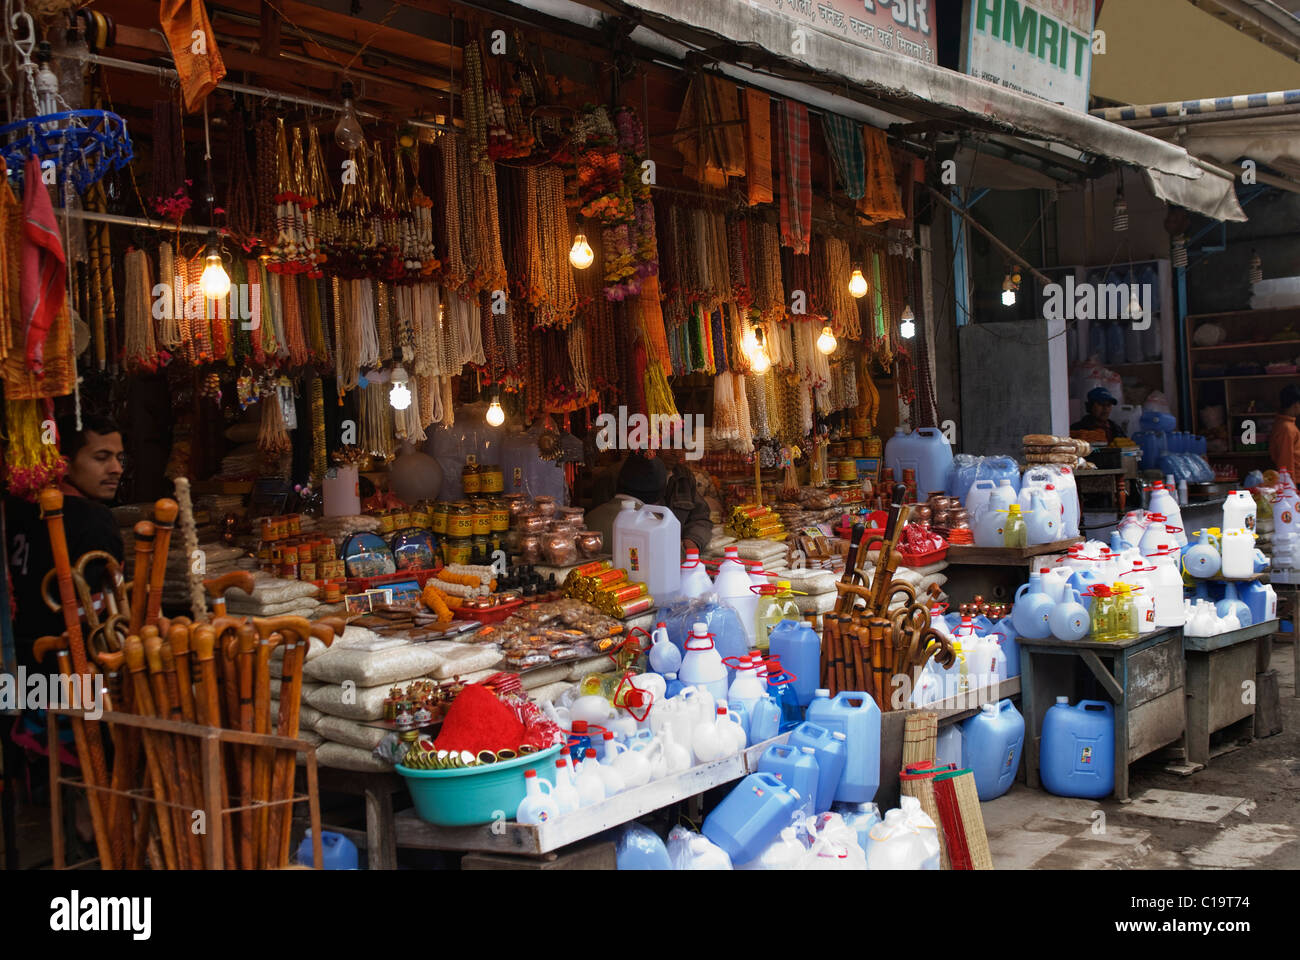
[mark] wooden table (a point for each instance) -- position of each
(1218, 668)
(1144, 679)
(993, 572)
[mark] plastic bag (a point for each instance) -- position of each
(688, 850)
(860, 817)
(640, 848)
(906, 839)
(834, 845)
(786, 852)
(721, 620)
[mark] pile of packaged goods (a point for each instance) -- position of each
(754, 522)
(608, 588)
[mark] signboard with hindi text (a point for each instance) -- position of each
(905, 27)
(1039, 47)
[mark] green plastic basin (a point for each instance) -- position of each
(474, 795)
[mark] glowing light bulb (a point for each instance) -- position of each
(827, 343)
(858, 284)
(580, 254)
(215, 282)
(399, 396)
(348, 134)
(907, 324)
(759, 362)
(1008, 292)
(1135, 311)
(495, 415)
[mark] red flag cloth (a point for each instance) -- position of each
(44, 277)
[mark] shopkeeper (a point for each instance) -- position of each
(95, 457)
(1099, 403)
(1284, 443)
(650, 479)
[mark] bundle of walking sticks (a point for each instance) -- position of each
(867, 648)
(152, 808)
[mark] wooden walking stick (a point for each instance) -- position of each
(297, 633)
(180, 698)
(144, 537)
(263, 756)
(133, 647)
(244, 645)
(112, 664)
(168, 755)
(216, 589)
(92, 759)
(207, 706)
(164, 515)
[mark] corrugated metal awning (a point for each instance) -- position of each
(1173, 174)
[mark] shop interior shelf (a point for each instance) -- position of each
(1005, 556)
(536, 840)
(1256, 343)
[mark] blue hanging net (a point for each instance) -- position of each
(83, 144)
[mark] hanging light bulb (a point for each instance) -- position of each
(348, 134)
(580, 254)
(399, 395)
(858, 284)
(1256, 273)
(827, 343)
(907, 323)
(759, 361)
(495, 415)
(1178, 253)
(1008, 292)
(1119, 218)
(215, 282)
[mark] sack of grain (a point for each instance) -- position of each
(351, 702)
(350, 732)
(369, 668)
(344, 757)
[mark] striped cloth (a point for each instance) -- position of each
(795, 167)
(845, 139)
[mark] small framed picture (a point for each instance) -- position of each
(378, 596)
(405, 592)
(358, 602)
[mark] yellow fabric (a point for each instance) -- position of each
(185, 24)
(882, 200)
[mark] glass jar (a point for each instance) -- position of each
(482, 518)
(460, 522)
(493, 480)
(471, 478)
(456, 551)
(498, 516)
(440, 518)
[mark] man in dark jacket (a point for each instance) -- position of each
(1100, 400)
(647, 479)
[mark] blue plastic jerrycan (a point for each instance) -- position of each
(855, 715)
(831, 752)
(337, 851)
(764, 720)
(1077, 754)
(796, 644)
(752, 816)
(991, 745)
(796, 767)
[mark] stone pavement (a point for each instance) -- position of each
(1240, 812)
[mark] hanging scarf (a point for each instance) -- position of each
(794, 164)
(708, 135)
(44, 277)
(846, 144)
(185, 24)
(881, 201)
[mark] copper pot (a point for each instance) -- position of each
(518, 505)
(921, 514)
(532, 523)
(558, 548)
(530, 548)
(545, 505)
(958, 519)
(590, 543)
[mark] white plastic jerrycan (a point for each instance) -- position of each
(702, 665)
(538, 805)
(646, 544)
(664, 655)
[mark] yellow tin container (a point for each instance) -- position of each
(491, 479)
(460, 522)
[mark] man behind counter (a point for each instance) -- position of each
(95, 460)
(1099, 402)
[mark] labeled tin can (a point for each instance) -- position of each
(481, 518)
(871, 447)
(333, 593)
(460, 522)
(439, 517)
(306, 571)
(480, 543)
(499, 517)
(386, 524)
(854, 448)
(492, 480)
(847, 470)
(293, 524)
